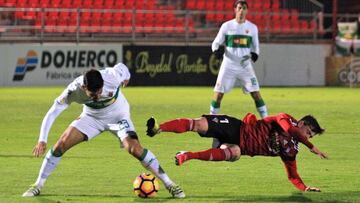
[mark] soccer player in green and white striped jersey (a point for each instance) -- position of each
(240, 39)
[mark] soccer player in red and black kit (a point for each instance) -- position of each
(277, 135)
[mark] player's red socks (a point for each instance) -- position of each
(214, 154)
(179, 125)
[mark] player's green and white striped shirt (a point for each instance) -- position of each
(239, 40)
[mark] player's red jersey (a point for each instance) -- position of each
(269, 136)
(274, 136)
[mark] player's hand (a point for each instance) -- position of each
(319, 153)
(219, 52)
(254, 56)
(39, 149)
(125, 83)
(312, 189)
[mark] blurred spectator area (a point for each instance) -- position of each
(171, 20)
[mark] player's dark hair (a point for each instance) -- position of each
(312, 122)
(93, 80)
(242, 2)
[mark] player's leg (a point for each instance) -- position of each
(216, 102)
(125, 131)
(150, 162)
(227, 130)
(251, 85)
(68, 139)
(227, 152)
(225, 81)
(179, 125)
(259, 103)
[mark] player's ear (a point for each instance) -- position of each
(300, 124)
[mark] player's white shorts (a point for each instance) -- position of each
(93, 124)
(231, 76)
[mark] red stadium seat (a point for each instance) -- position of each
(76, 4)
(44, 3)
(200, 4)
(98, 4)
(87, 4)
(190, 4)
(229, 5)
(210, 17)
(10, 3)
(210, 5)
(55, 3)
(33, 3)
(61, 25)
(275, 4)
(219, 5)
(96, 15)
(21, 3)
(119, 4)
(180, 25)
(50, 25)
(30, 15)
(220, 17)
(109, 4)
(66, 4)
(71, 25)
(64, 15)
(52, 15)
(19, 14)
(107, 17)
(129, 4)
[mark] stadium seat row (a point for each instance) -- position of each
(92, 16)
(88, 4)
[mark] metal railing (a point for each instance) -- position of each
(188, 27)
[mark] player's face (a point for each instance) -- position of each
(94, 95)
(240, 11)
(306, 129)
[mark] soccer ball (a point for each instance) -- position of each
(146, 185)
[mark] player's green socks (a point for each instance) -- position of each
(149, 161)
(261, 108)
(214, 107)
(48, 166)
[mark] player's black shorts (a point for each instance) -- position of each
(225, 128)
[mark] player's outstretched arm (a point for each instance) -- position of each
(46, 124)
(39, 149)
(319, 153)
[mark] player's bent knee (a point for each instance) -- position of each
(58, 149)
(133, 146)
(235, 153)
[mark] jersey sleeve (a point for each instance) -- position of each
(61, 103)
(250, 119)
(122, 72)
(284, 120)
(219, 39)
(255, 42)
(293, 176)
(50, 117)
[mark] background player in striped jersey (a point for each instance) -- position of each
(277, 135)
(105, 109)
(241, 41)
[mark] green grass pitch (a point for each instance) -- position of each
(98, 171)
